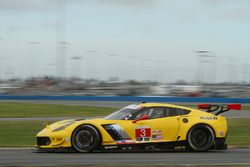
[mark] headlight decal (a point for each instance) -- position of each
(59, 128)
(63, 126)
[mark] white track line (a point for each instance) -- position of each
(17, 148)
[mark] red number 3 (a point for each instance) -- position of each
(143, 133)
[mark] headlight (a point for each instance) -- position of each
(63, 126)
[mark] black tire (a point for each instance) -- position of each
(200, 138)
(85, 138)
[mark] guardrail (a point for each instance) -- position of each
(131, 98)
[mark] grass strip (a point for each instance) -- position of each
(18, 110)
(239, 132)
(19, 133)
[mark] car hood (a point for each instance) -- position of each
(69, 122)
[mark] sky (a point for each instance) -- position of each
(126, 39)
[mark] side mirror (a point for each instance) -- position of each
(144, 117)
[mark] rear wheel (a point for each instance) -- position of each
(85, 139)
(200, 138)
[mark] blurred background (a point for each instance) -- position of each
(75, 50)
(125, 47)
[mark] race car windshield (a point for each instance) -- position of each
(126, 113)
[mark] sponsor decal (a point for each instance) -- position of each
(110, 147)
(157, 135)
(143, 133)
(208, 118)
(141, 139)
(125, 142)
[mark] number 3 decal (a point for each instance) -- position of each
(142, 132)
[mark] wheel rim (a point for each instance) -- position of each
(84, 139)
(201, 139)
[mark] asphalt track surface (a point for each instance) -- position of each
(27, 157)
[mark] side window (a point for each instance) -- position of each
(140, 113)
(184, 112)
(176, 111)
(158, 112)
(152, 112)
(171, 111)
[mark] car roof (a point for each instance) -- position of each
(163, 105)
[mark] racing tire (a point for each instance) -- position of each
(200, 138)
(85, 138)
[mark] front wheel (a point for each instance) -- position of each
(200, 138)
(85, 139)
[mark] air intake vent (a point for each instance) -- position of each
(43, 141)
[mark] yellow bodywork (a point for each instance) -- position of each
(170, 129)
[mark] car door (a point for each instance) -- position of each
(161, 126)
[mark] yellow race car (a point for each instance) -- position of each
(142, 126)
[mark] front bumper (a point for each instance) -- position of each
(48, 139)
(52, 142)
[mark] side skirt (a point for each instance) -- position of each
(147, 146)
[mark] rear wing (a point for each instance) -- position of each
(219, 108)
